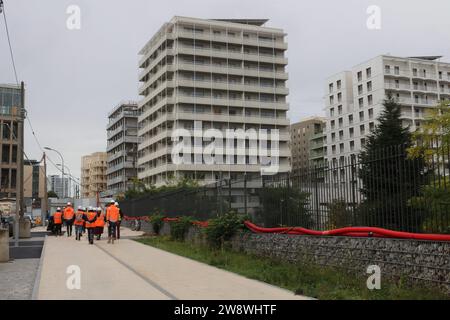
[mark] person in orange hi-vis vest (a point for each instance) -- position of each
(68, 216)
(112, 217)
(57, 221)
(91, 218)
(100, 223)
(78, 222)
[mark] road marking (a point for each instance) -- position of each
(150, 282)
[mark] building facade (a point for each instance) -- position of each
(58, 185)
(10, 106)
(354, 98)
(93, 174)
(223, 74)
(122, 148)
(33, 181)
(307, 143)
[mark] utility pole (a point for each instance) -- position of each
(19, 172)
(44, 202)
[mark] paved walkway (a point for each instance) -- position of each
(131, 270)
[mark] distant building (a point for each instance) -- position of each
(93, 174)
(56, 185)
(307, 143)
(10, 96)
(122, 148)
(33, 182)
(354, 99)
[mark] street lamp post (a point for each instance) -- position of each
(62, 169)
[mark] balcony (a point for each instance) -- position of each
(399, 87)
(126, 139)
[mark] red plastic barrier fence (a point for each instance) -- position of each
(350, 232)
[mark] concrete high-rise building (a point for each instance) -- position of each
(353, 99)
(55, 184)
(93, 174)
(228, 74)
(34, 180)
(307, 143)
(122, 147)
(10, 105)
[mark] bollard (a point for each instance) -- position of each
(4, 245)
(24, 228)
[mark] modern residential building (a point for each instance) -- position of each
(122, 147)
(33, 182)
(228, 74)
(307, 143)
(353, 99)
(10, 106)
(55, 184)
(93, 174)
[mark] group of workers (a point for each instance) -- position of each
(91, 219)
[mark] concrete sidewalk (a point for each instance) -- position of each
(131, 270)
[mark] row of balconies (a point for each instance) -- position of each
(124, 139)
(418, 75)
(123, 114)
(120, 166)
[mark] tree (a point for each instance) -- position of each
(389, 177)
(52, 194)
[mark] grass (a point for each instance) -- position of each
(309, 280)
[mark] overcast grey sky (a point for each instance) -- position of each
(74, 77)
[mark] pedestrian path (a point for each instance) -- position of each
(131, 270)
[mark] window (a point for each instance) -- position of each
(333, 149)
(341, 134)
(440, 74)
(371, 126)
(331, 112)
(339, 97)
(360, 89)
(362, 129)
(387, 69)
(330, 86)
(370, 100)
(368, 72)
(332, 124)
(341, 147)
(363, 142)
(341, 122)
(359, 75)
(352, 145)
(361, 102)
(415, 72)
(350, 119)
(333, 137)
(370, 113)
(340, 109)
(424, 73)
(338, 84)
(369, 86)
(396, 70)
(331, 99)
(351, 132)
(361, 116)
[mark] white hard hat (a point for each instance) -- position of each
(116, 203)
(90, 208)
(112, 201)
(69, 204)
(58, 209)
(80, 207)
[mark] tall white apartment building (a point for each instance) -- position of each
(353, 99)
(228, 74)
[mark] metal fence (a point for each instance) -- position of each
(386, 188)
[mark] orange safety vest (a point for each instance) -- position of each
(100, 222)
(90, 216)
(68, 213)
(57, 218)
(79, 218)
(112, 213)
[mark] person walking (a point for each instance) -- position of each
(90, 219)
(79, 222)
(112, 217)
(57, 221)
(120, 220)
(100, 223)
(68, 216)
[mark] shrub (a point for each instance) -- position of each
(157, 222)
(221, 229)
(178, 229)
(339, 214)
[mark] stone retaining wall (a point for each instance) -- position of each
(426, 262)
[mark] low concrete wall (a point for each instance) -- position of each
(4, 245)
(425, 262)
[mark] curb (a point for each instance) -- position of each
(37, 280)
